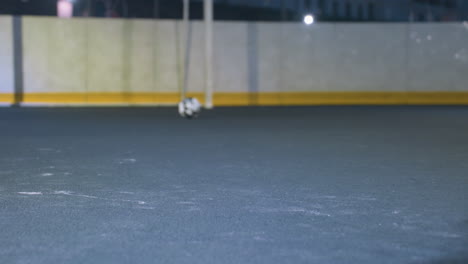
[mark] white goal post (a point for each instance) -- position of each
(208, 14)
(208, 20)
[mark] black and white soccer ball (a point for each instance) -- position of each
(190, 108)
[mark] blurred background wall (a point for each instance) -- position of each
(6, 60)
(116, 61)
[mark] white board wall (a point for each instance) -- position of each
(6, 58)
(145, 56)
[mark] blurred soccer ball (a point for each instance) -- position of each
(189, 108)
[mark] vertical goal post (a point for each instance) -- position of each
(185, 48)
(208, 21)
(209, 90)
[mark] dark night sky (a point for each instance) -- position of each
(265, 10)
(144, 9)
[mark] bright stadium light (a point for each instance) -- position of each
(64, 8)
(309, 19)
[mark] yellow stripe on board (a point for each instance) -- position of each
(51, 98)
(7, 98)
(252, 99)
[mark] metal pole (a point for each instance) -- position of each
(156, 9)
(90, 8)
(125, 8)
(184, 66)
(283, 10)
(18, 60)
(208, 10)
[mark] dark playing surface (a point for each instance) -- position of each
(258, 185)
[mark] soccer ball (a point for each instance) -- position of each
(189, 108)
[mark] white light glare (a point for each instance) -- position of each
(64, 8)
(309, 19)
